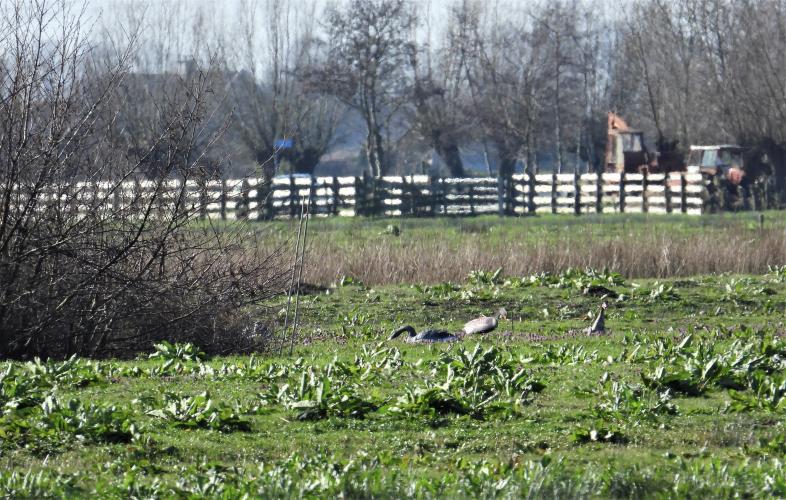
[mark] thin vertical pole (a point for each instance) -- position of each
(300, 278)
(292, 279)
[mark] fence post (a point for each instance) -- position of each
(406, 197)
(599, 192)
(683, 193)
(472, 199)
(378, 193)
(243, 205)
(442, 199)
(261, 199)
(293, 196)
(359, 196)
(755, 205)
(667, 191)
(510, 196)
(433, 193)
(500, 194)
(313, 207)
(554, 192)
(223, 200)
(645, 201)
(622, 192)
(270, 209)
(335, 189)
(530, 192)
(576, 193)
(419, 200)
(116, 203)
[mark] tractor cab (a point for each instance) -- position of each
(625, 149)
(726, 160)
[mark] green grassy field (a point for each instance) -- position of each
(684, 395)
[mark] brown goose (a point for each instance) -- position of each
(485, 324)
(599, 325)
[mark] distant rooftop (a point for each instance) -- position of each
(717, 146)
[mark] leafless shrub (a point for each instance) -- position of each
(106, 271)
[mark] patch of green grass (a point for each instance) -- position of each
(682, 397)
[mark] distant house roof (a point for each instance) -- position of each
(717, 146)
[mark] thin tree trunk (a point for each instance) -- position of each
(450, 154)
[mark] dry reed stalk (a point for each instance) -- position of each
(648, 255)
(306, 214)
(295, 257)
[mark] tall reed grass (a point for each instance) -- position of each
(433, 253)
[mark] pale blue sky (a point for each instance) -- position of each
(180, 25)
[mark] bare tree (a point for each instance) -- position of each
(439, 96)
(664, 55)
(745, 49)
(369, 48)
(271, 101)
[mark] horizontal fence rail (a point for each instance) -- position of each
(414, 195)
(421, 195)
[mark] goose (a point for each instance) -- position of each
(485, 324)
(599, 325)
(426, 336)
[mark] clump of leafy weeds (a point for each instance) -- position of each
(55, 423)
(318, 395)
(631, 404)
(599, 433)
(73, 372)
(41, 484)
(776, 274)
(688, 368)
(484, 278)
(660, 292)
(744, 291)
(18, 390)
(767, 392)
(431, 400)
(199, 411)
(478, 382)
(572, 277)
(178, 352)
(480, 286)
(692, 367)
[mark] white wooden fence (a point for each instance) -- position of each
(415, 195)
